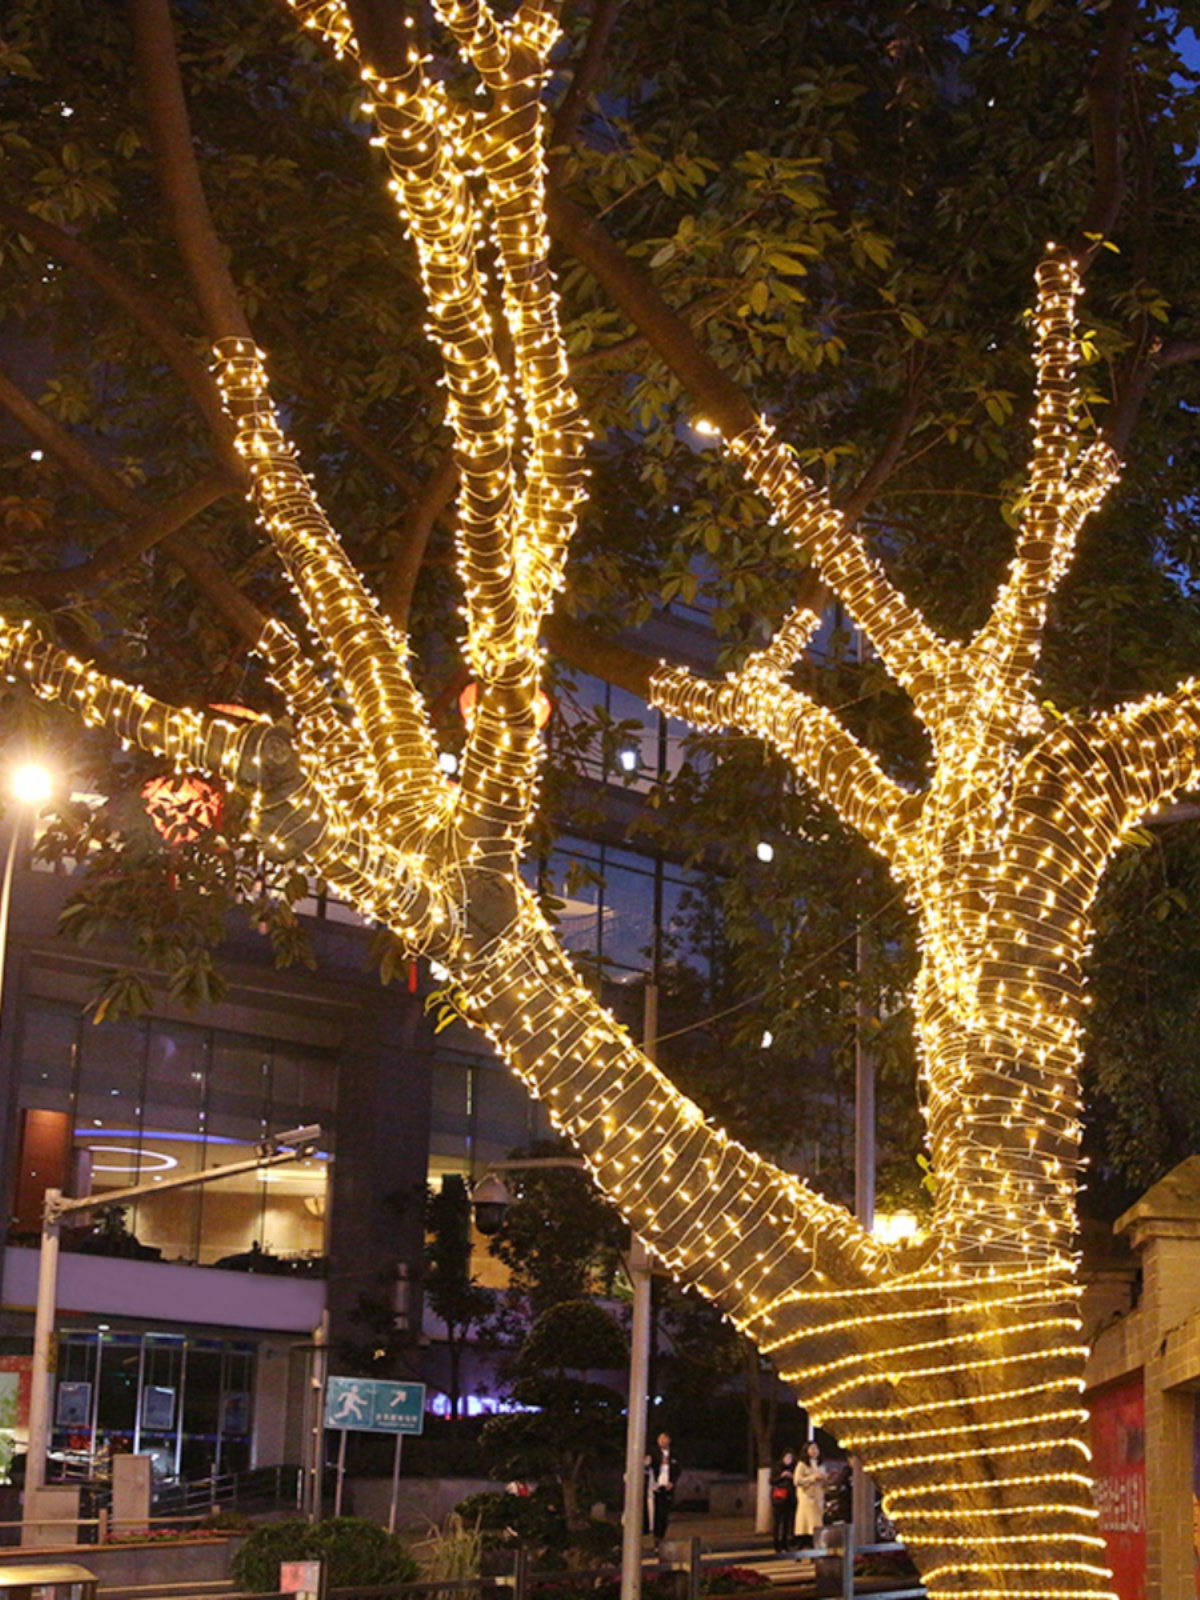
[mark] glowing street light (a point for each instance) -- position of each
(31, 784)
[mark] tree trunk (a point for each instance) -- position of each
(954, 1373)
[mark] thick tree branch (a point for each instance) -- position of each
(292, 811)
(722, 400)
(1105, 89)
(584, 646)
(1144, 754)
(586, 75)
(370, 657)
(178, 174)
(151, 528)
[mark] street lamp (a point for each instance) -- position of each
(29, 785)
(293, 1145)
(490, 1199)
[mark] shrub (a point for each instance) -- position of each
(595, 1543)
(357, 1553)
(509, 1519)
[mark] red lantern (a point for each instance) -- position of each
(183, 808)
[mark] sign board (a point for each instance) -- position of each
(1119, 1464)
(300, 1578)
(374, 1405)
(73, 1408)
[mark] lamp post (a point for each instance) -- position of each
(491, 1199)
(29, 786)
(293, 1145)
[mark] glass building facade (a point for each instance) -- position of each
(147, 1099)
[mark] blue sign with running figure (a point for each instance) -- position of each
(374, 1405)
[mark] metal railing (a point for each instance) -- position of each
(264, 1488)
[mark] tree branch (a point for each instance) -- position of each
(1063, 490)
(585, 77)
(291, 811)
(151, 528)
(757, 700)
(721, 399)
(370, 657)
(1124, 413)
(416, 526)
(1104, 93)
(885, 463)
(178, 174)
(581, 644)
(1144, 754)
(908, 647)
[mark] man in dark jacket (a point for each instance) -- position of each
(662, 1474)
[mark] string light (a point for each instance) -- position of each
(953, 1365)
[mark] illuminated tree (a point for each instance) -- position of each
(953, 1367)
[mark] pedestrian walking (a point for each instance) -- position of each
(662, 1474)
(783, 1503)
(810, 1498)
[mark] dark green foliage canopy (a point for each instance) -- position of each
(844, 204)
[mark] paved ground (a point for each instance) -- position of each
(732, 1541)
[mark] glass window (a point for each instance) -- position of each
(574, 879)
(112, 1062)
(239, 1087)
(176, 1070)
(451, 1105)
(303, 1086)
(684, 940)
(49, 1041)
(173, 1136)
(507, 1116)
(628, 926)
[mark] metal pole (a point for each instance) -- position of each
(635, 1436)
(10, 860)
(862, 1492)
(639, 1369)
(316, 1436)
(341, 1473)
(395, 1485)
(43, 1335)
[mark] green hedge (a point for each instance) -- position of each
(358, 1553)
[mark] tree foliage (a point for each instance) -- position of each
(450, 1288)
(561, 1240)
(570, 1423)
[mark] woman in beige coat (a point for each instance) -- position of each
(810, 1498)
